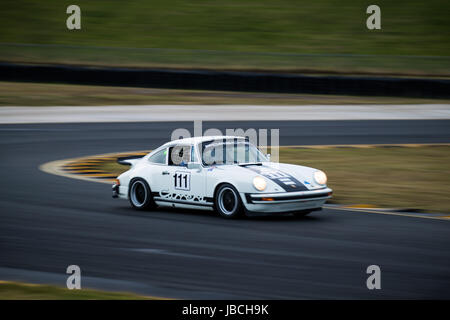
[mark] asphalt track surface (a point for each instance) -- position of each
(48, 222)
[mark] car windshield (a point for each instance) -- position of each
(230, 151)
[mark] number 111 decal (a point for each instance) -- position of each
(182, 180)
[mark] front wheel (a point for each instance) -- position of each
(140, 195)
(227, 202)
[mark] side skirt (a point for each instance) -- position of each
(183, 204)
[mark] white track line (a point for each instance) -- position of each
(221, 112)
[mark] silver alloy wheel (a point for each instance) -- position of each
(227, 201)
(138, 194)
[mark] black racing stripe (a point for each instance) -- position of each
(209, 199)
(293, 197)
(283, 179)
(202, 204)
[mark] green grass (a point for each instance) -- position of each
(399, 177)
(39, 94)
(23, 291)
(392, 177)
(284, 35)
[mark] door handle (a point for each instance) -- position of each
(165, 173)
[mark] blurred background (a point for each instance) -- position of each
(323, 36)
(386, 151)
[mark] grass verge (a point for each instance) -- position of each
(44, 94)
(322, 36)
(392, 177)
(25, 291)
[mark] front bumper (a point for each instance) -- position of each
(286, 201)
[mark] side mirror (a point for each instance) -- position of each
(194, 165)
(268, 156)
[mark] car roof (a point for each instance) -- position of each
(197, 140)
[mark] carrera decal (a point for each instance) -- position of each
(283, 179)
(180, 197)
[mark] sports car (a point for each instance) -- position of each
(226, 174)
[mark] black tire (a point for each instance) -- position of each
(140, 195)
(227, 202)
(301, 214)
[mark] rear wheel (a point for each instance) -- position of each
(140, 195)
(227, 202)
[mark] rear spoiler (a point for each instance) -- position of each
(130, 160)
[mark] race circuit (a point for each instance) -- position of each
(48, 222)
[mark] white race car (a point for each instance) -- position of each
(223, 173)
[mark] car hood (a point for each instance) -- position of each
(289, 177)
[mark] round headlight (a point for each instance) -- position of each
(320, 177)
(259, 183)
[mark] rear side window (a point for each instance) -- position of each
(159, 157)
(179, 155)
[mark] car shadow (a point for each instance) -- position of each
(181, 212)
